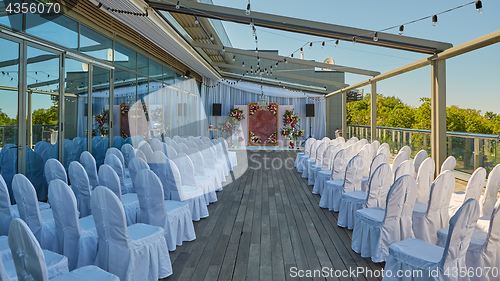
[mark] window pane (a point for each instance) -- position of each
(100, 113)
(168, 76)
(142, 64)
(75, 114)
(95, 44)
(59, 30)
(125, 57)
(14, 21)
(155, 70)
(9, 65)
(124, 97)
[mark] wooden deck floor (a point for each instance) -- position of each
(265, 222)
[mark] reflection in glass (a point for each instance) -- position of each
(100, 113)
(155, 70)
(57, 29)
(142, 64)
(168, 76)
(9, 65)
(125, 95)
(14, 21)
(125, 57)
(95, 44)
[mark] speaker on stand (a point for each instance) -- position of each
(217, 112)
(309, 113)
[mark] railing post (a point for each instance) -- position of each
(393, 139)
(476, 153)
(344, 113)
(450, 146)
(438, 112)
(425, 142)
(404, 140)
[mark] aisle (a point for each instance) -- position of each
(264, 223)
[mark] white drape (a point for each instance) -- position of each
(242, 93)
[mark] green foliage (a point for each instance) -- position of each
(5, 119)
(43, 116)
(392, 112)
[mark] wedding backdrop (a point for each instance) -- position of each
(243, 93)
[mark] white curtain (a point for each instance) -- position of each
(242, 93)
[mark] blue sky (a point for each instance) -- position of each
(471, 78)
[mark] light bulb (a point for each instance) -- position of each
(234, 58)
(211, 37)
(434, 20)
(375, 37)
(401, 29)
(301, 49)
(311, 45)
(258, 58)
(323, 45)
(479, 7)
(291, 55)
(354, 40)
(223, 49)
(336, 43)
(178, 5)
(243, 64)
(251, 23)
(256, 50)
(247, 12)
(196, 22)
(285, 61)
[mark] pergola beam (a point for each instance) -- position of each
(266, 55)
(284, 75)
(295, 25)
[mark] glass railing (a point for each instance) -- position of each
(48, 133)
(470, 150)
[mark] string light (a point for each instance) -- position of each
(234, 58)
(354, 40)
(311, 45)
(178, 5)
(247, 12)
(223, 49)
(479, 7)
(375, 37)
(196, 22)
(323, 45)
(434, 20)
(401, 29)
(337, 43)
(211, 37)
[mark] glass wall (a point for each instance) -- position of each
(9, 67)
(94, 44)
(100, 113)
(14, 21)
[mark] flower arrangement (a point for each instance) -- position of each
(253, 109)
(273, 108)
(236, 114)
(227, 126)
(254, 138)
(157, 116)
(290, 118)
(102, 120)
(272, 138)
(286, 132)
(124, 109)
(298, 133)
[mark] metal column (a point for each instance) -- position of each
(344, 115)
(438, 112)
(373, 119)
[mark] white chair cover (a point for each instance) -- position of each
(78, 242)
(230, 155)
(55, 170)
(117, 153)
(425, 177)
(328, 155)
(139, 154)
(405, 168)
(182, 148)
(419, 158)
(118, 142)
(202, 170)
(220, 154)
(316, 167)
(126, 150)
(88, 162)
(109, 179)
(449, 164)
(99, 147)
(332, 194)
(220, 164)
(186, 169)
(114, 162)
(374, 148)
(488, 200)
(406, 149)
(308, 163)
(198, 141)
(156, 145)
(402, 156)
(384, 148)
(366, 154)
(376, 228)
(137, 252)
(136, 164)
(40, 222)
(474, 189)
(192, 143)
(484, 248)
(350, 141)
(429, 218)
(379, 183)
(170, 141)
(414, 255)
(145, 148)
(301, 156)
(209, 161)
(6, 211)
(173, 216)
(337, 172)
(72, 151)
(81, 187)
(379, 159)
(176, 138)
(171, 152)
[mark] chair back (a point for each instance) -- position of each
(406, 149)
(81, 187)
(339, 165)
(378, 185)
(425, 177)
(218, 147)
(99, 150)
(29, 259)
(116, 164)
(88, 162)
(397, 224)
(319, 152)
(208, 156)
(366, 155)
(115, 151)
(491, 249)
(359, 145)
(6, 212)
(109, 179)
(151, 199)
(462, 225)
(350, 141)
(314, 149)
(126, 150)
(27, 204)
(384, 148)
(419, 158)
(139, 154)
(449, 164)
(156, 145)
(354, 174)
(351, 151)
(374, 148)
(197, 157)
(186, 169)
(307, 146)
(68, 231)
(439, 200)
(377, 160)
(400, 158)
(405, 168)
(111, 225)
(145, 148)
(55, 170)
(475, 184)
(487, 202)
(177, 139)
(170, 141)
(182, 148)
(198, 142)
(164, 172)
(136, 164)
(72, 151)
(224, 146)
(171, 152)
(191, 143)
(118, 142)
(328, 155)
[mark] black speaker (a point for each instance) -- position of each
(310, 110)
(216, 109)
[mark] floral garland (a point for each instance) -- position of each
(254, 138)
(253, 109)
(102, 120)
(236, 114)
(227, 126)
(272, 138)
(298, 133)
(286, 132)
(124, 109)
(290, 118)
(273, 108)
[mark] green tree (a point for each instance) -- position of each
(423, 115)
(46, 116)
